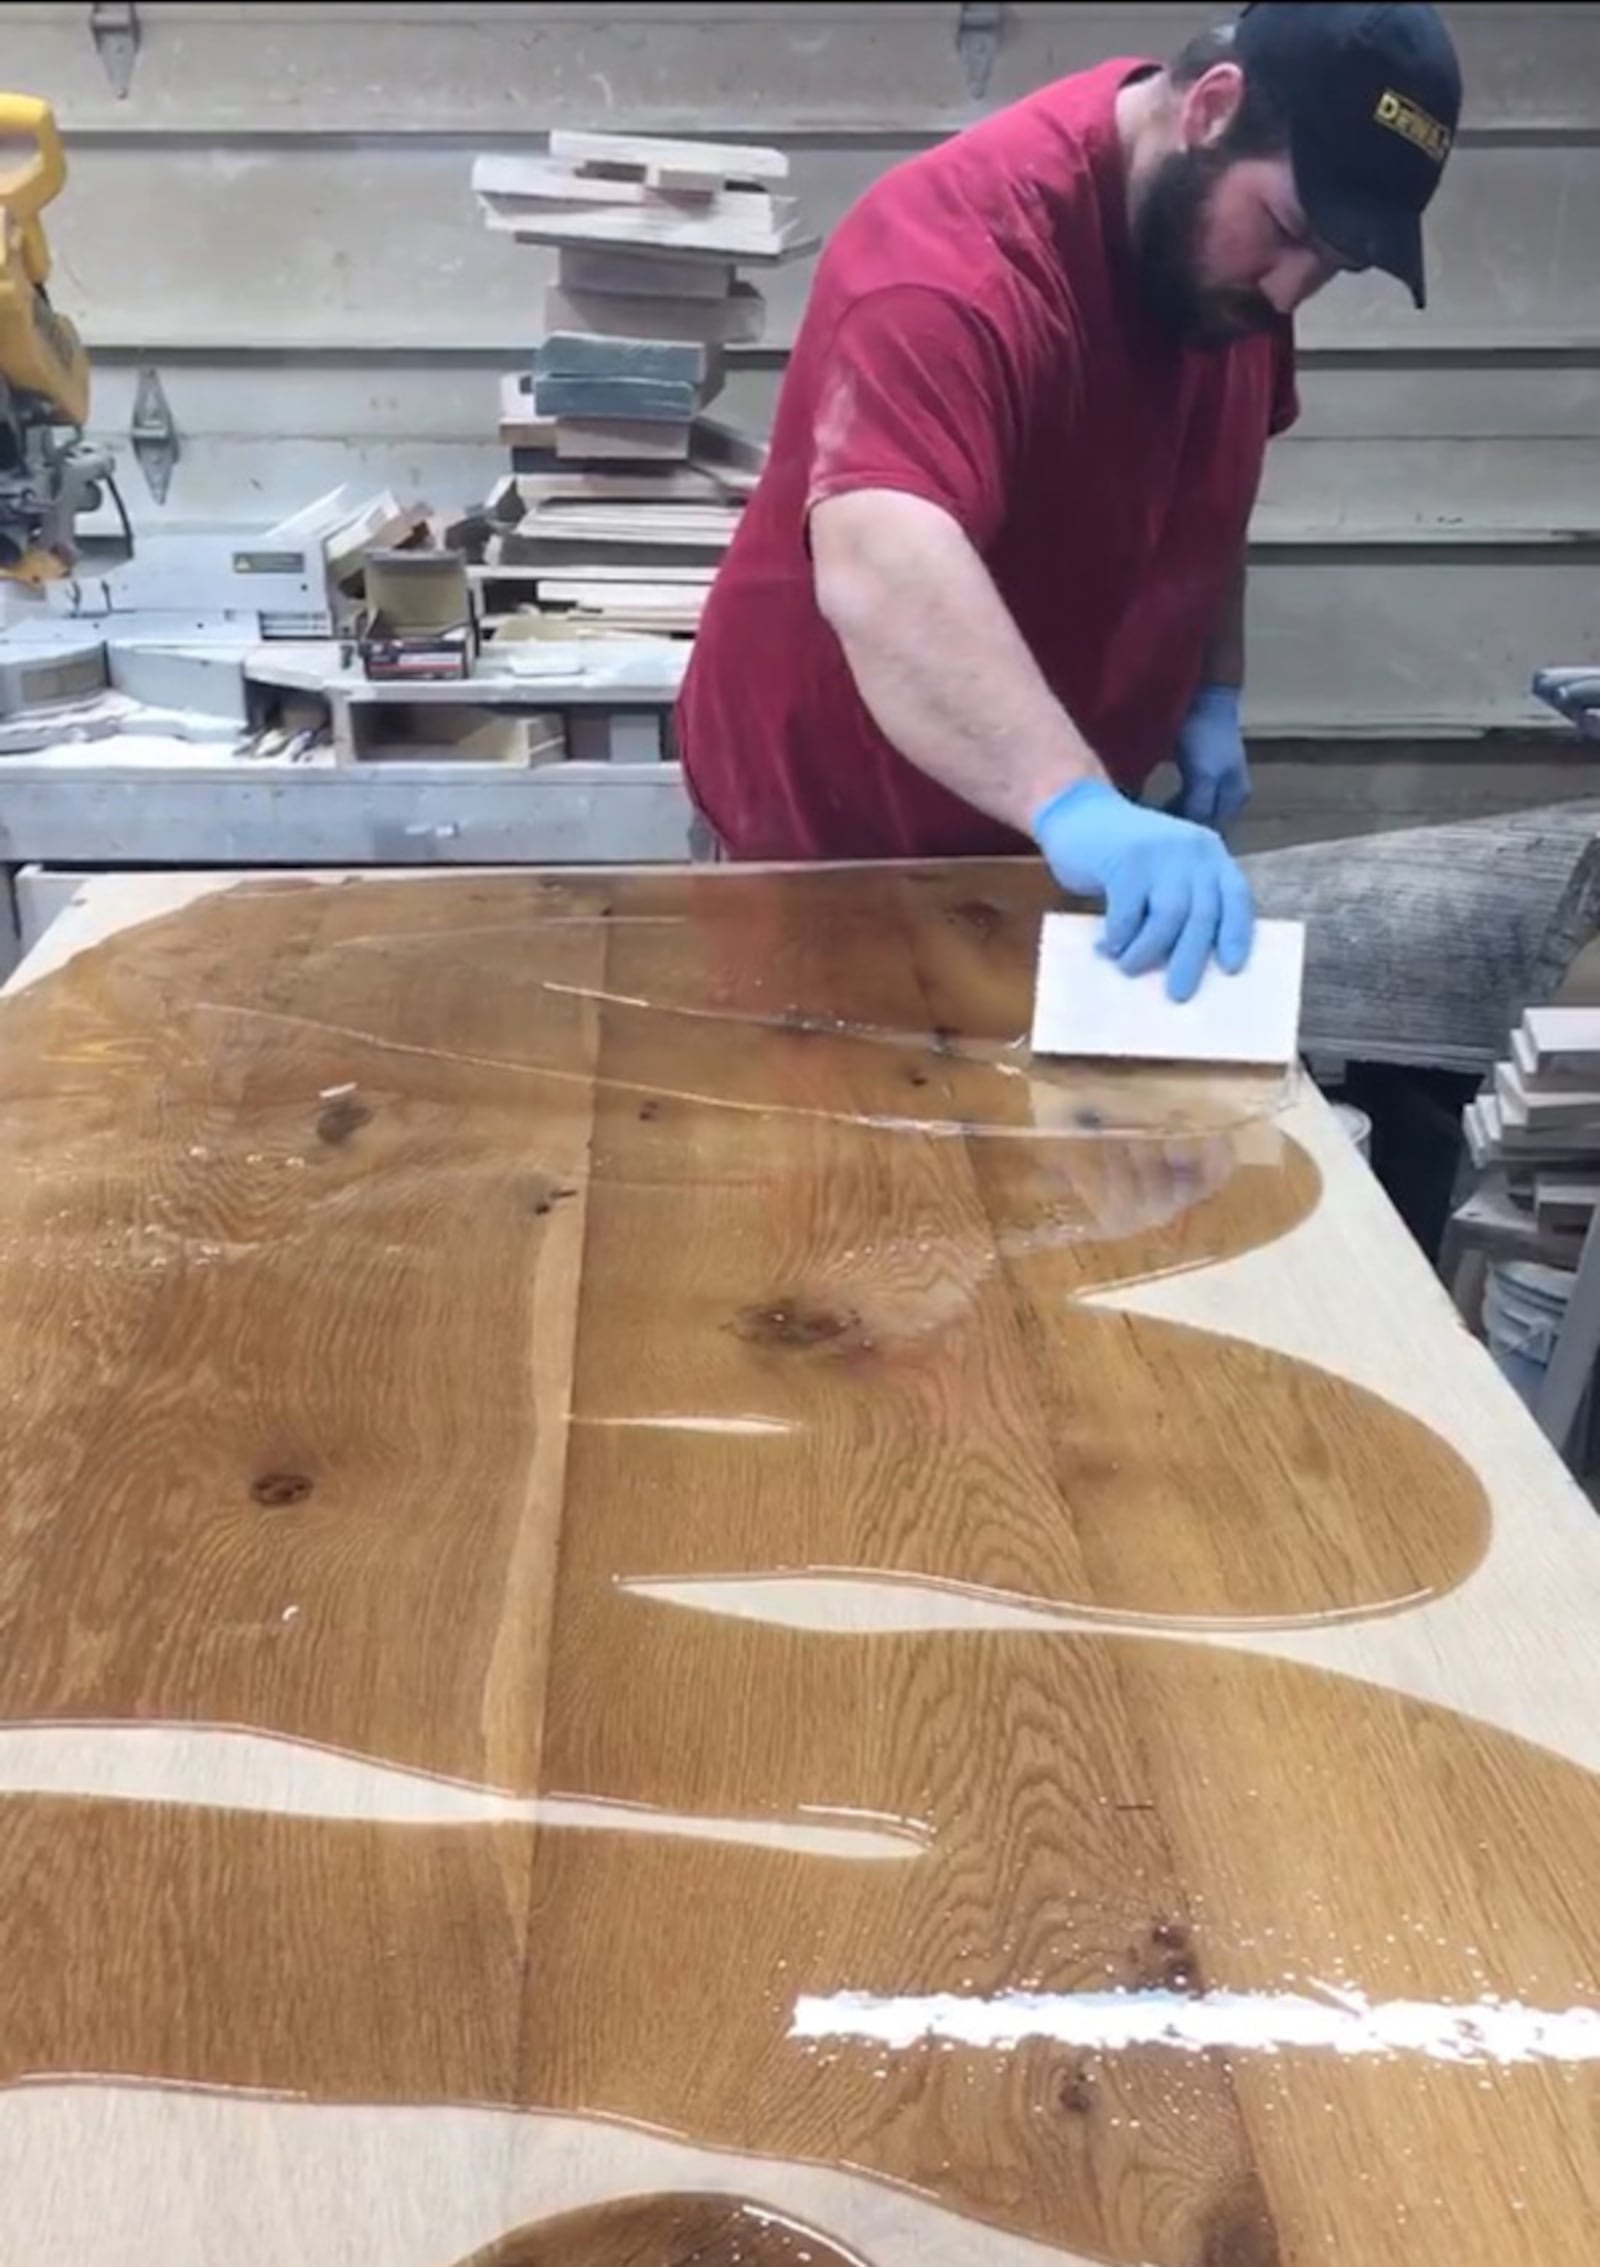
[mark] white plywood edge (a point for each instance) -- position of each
(1482, 1648)
(1563, 1105)
(612, 595)
(633, 229)
(1349, 1291)
(688, 578)
(542, 181)
(1557, 1192)
(1085, 1006)
(1564, 1036)
(265, 2181)
(732, 160)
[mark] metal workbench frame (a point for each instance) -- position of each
(617, 798)
(234, 813)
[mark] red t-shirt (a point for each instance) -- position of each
(974, 337)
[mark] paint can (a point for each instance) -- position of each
(1524, 1306)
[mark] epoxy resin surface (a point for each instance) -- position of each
(620, 1645)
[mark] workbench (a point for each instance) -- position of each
(659, 1602)
(134, 801)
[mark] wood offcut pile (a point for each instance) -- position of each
(1536, 1126)
(623, 494)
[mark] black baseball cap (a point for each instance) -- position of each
(1372, 95)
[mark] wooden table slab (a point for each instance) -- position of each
(658, 1606)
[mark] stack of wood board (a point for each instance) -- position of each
(606, 547)
(627, 493)
(1536, 1127)
(693, 202)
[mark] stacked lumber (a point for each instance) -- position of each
(1536, 1126)
(624, 494)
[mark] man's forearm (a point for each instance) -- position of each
(937, 659)
(1224, 663)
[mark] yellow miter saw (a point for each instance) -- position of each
(49, 473)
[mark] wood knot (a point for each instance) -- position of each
(279, 1491)
(1075, 2091)
(649, 1112)
(795, 1322)
(978, 915)
(1237, 2230)
(1166, 1960)
(340, 1117)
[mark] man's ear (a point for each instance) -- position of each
(1209, 107)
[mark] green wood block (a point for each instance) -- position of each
(581, 354)
(650, 400)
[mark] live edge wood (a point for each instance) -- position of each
(1424, 946)
(808, 1503)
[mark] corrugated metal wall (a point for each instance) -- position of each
(277, 218)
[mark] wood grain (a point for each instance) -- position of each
(668, 2231)
(901, 1321)
(1453, 1870)
(601, 1957)
(301, 1136)
(231, 1213)
(304, 1958)
(304, 2184)
(1040, 1885)
(392, 1274)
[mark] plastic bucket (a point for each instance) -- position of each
(1524, 1306)
(1357, 1125)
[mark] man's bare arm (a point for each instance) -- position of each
(937, 658)
(950, 682)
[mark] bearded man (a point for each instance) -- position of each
(993, 574)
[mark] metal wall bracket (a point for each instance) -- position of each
(154, 434)
(977, 43)
(114, 28)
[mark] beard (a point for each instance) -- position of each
(1168, 224)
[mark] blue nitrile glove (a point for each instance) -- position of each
(1171, 891)
(1211, 759)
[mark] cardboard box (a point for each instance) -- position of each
(419, 620)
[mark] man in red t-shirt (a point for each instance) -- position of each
(993, 574)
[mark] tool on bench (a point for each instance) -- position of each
(49, 473)
(1573, 692)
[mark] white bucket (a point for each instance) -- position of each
(1357, 1125)
(1524, 1306)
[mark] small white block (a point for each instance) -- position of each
(1085, 1005)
